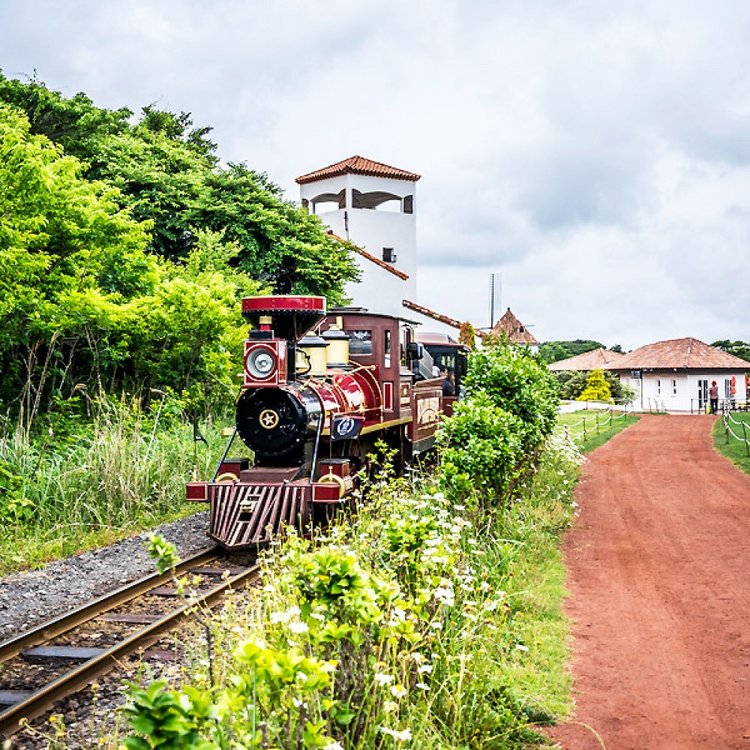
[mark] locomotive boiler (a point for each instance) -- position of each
(318, 390)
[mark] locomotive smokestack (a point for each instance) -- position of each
(291, 317)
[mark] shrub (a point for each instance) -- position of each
(517, 383)
(597, 388)
(498, 428)
(482, 446)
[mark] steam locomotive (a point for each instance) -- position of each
(319, 389)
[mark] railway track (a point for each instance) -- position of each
(59, 657)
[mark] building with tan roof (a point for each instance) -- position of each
(510, 327)
(675, 375)
(596, 359)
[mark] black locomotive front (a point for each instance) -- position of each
(278, 423)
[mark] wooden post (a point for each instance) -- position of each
(744, 437)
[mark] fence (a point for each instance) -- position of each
(702, 406)
(729, 420)
(593, 424)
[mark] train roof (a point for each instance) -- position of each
(430, 337)
(368, 313)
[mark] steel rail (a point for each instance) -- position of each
(68, 683)
(51, 629)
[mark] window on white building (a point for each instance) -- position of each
(658, 386)
(674, 387)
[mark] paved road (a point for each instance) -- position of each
(659, 575)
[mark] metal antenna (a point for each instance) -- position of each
(495, 294)
(492, 300)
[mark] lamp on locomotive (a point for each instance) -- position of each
(265, 357)
(278, 323)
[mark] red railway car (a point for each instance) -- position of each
(318, 390)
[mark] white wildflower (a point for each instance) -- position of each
(384, 679)
(521, 647)
(398, 691)
(297, 626)
(403, 735)
(422, 686)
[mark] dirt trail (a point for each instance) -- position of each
(659, 575)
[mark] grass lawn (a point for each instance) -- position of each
(732, 445)
(591, 428)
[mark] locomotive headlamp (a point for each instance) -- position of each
(260, 363)
(265, 363)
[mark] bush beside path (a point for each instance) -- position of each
(659, 591)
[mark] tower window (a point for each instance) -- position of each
(389, 255)
(408, 204)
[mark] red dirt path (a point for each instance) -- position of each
(659, 575)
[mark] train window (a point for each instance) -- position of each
(360, 343)
(387, 349)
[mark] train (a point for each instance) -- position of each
(319, 389)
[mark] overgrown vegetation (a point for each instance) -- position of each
(125, 248)
(82, 484)
(496, 432)
(418, 623)
(124, 251)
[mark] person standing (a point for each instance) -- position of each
(713, 397)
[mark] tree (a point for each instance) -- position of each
(61, 237)
(597, 387)
(554, 351)
(167, 173)
(739, 349)
(466, 335)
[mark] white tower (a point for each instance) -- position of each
(372, 205)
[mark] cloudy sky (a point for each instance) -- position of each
(595, 154)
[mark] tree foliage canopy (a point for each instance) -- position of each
(554, 351)
(125, 248)
(740, 349)
(167, 173)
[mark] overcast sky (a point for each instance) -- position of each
(595, 154)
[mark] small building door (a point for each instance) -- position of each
(702, 394)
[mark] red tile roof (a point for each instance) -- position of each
(357, 165)
(372, 258)
(597, 359)
(680, 354)
(512, 327)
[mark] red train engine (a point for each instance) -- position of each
(318, 391)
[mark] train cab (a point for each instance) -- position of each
(448, 356)
(388, 345)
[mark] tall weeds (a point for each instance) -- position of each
(103, 479)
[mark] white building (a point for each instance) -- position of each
(372, 205)
(675, 375)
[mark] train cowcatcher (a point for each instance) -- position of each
(319, 389)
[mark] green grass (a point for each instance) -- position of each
(732, 447)
(79, 485)
(598, 428)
